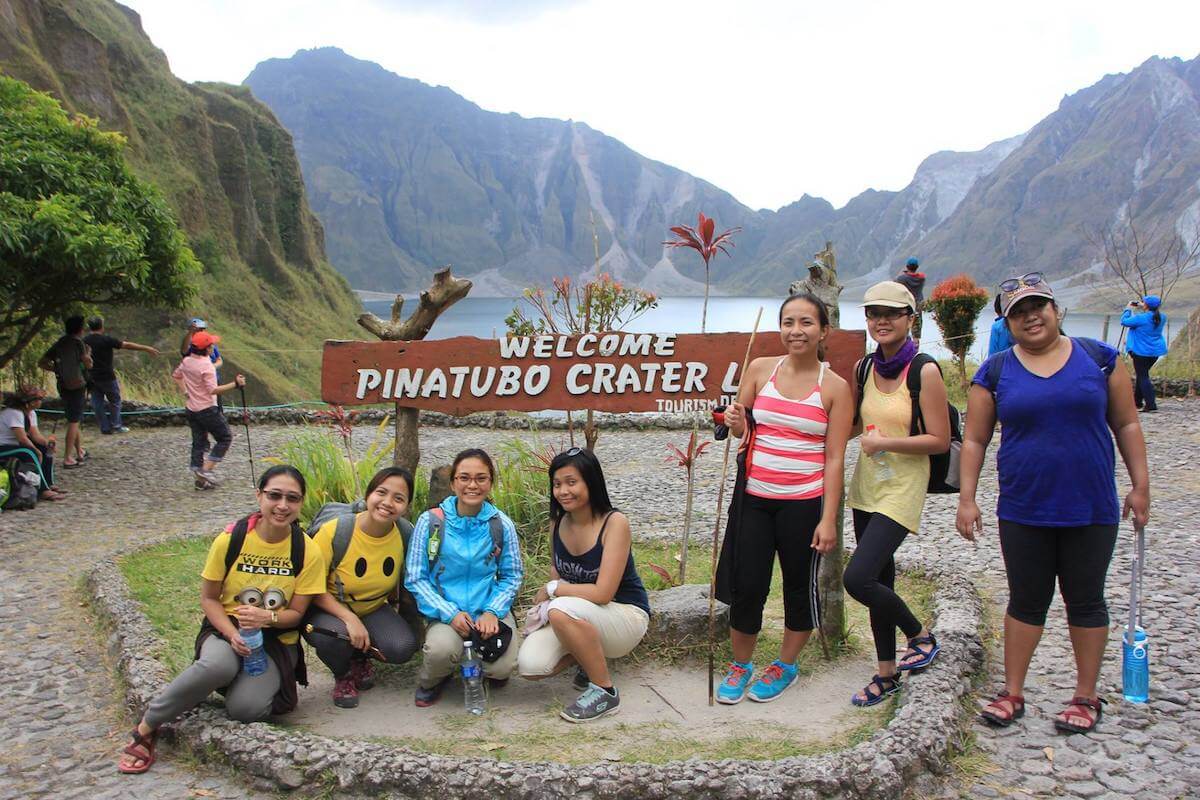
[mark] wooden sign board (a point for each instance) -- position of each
(614, 372)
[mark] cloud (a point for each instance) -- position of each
(493, 12)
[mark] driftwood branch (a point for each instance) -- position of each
(445, 291)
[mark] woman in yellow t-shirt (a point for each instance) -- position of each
(355, 602)
(265, 584)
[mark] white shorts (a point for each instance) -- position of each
(620, 625)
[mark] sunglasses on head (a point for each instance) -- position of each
(275, 496)
(574, 451)
(1028, 279)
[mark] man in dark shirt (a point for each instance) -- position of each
(69, 359)
(914, 281)
(106, 391)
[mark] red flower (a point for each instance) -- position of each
(701, 238)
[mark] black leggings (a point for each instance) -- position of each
(767, 527)
(1143, 388)
(1078, 557)
(870, 578)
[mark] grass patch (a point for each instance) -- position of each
(165, 579)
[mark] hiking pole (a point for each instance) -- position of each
(246, 423)
(712, 581)
(345, 637)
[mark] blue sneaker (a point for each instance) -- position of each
(733, 686)
(774, 681)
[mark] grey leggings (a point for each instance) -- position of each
(247, 699)
(388, 630)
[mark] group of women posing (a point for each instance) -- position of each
(374, 587)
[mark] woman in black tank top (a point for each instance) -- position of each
(597, 606)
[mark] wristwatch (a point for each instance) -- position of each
(551, 588)
(274, 617)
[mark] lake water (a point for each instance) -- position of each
(484, 317)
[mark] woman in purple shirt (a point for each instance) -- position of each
(1057, 399)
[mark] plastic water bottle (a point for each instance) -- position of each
(1135, 667)
(883, 470)
(472, 673)
(256, 662)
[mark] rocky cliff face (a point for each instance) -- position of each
(226, 166)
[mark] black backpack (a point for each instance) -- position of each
(943, 467)
(345, 513)
(1094, 349)
(237, 538)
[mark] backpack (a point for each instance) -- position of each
(18, 489)
(437, 520)
(69, 369)
(344, 513)
(1090, 346)
(943, 467)
(237, 538)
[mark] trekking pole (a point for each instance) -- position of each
(712, 581)
(345, 637)
(246, 424)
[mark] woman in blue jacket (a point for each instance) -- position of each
(1146, 345)
(463, 566)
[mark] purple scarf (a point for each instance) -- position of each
(891, 367)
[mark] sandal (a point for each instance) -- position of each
(1078, 708)
(884, 687)
(71, 464)
(923, 658)
(1004, 710)
(142, 749)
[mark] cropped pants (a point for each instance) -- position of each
(1078, 558)
(620, 626)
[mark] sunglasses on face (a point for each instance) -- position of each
(1028, 279)
(275, 496)
(881, 312)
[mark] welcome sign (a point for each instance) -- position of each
(614, 372)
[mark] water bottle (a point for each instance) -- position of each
(883, 470)
(472, 673)
(256, 662)
(1135, 667)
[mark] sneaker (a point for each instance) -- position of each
(363, 673)
(121, 429)
(427, 697)
(345, 694)
(497, 683)
(733, 686)
(581, 681)
(594, 703)
(774, 681)
(208, 476)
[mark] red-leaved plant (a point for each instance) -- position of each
(705, 241)
(687, 459)
(342, 422)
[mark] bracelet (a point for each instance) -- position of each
(274, 617)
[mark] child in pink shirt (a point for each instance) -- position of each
(197, 378)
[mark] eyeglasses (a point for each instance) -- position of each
(574, 451)
(883, 312)
(275, 496)
(1028, 279)
(478, 480)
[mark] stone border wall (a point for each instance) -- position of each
(912, 752)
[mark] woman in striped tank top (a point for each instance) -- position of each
(794, 445)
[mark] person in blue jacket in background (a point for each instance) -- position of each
(1146, 344)
(461, 583)
(1000, 340)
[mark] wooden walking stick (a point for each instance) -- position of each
(712, 581)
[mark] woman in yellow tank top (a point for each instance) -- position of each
(887, 491)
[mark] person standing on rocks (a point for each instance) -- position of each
(1146, 345)
(464, 568)
(69, 359)
(197, 378)
(1060, 401)
(596, 607)
(793, 415)
(260, 576)
(368, 572)
(914, 280)
(887, 492)
(106, 390)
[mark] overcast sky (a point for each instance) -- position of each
(767, 100)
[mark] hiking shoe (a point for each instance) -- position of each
(733, 685)
(594, 703)
(208, 476)
(774, 681)
(581, 681)
(363, 673)
(121, 429)
(345, 694)
(427, 697)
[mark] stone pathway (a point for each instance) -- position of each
(63, 714)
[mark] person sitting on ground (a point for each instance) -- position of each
(102, 378)
(999, 340)
(793, 415)
(20, 437)
(69, 358)
(891, 477)
(1060, 401)
(596, 606)
(464, 568)
(1146, 344)
(197, 378)
(914, 280)
(353, 617)
(260, 574)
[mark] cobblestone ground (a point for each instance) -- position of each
(64, 721)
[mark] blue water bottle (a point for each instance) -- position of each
(1135, 667)
(256, 662)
